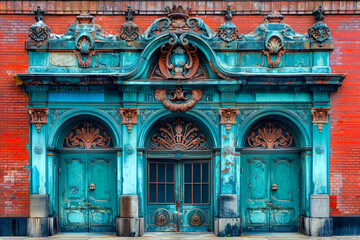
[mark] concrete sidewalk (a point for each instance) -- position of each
(188, 236)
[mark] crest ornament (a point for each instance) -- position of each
(179, 135)
(88, 136)
(228, 117)
(129, 30)
(319, 32)
(178, 62)
(38, 117)
(39, 31)
(129, 117)
(270, 135)
(274, 46)
(178, 100)
(228, 32)
(320, 117)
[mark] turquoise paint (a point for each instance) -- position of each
(76, 97)
(283, 97)
(129, 166)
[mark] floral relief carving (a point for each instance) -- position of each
(179, 135)
(178, 100)
(270, 135)
(129, 117)
(88, 136)
(38, 117)
(228, 117)
(320, 117)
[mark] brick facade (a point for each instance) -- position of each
(345, 104)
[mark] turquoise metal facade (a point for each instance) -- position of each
(225, 83)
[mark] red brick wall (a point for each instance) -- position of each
(345, 124)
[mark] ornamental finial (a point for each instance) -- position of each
(129, 15)
(39, 14)
(319, 14)
(228, 13)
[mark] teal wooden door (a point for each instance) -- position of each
(178, 196)
(87, 192)
(270, 196)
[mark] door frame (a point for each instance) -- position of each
(112, 152)
(180, 156)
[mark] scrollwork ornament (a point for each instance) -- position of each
(38, 117)
(179, 100)
(129, 117)
(320, 117)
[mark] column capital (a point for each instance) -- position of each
(38, 117)
(228, 117)
(320, 117)
(129, 117)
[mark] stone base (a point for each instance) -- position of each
(227, 227)
(316, 227)
(38, 227)
(42, 227)
(129, 227)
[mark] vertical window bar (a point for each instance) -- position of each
(201, 183)
(157, 192)
(165, 183)
(192, 183)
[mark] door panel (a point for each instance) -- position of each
(257, 194)
(82, 208)
(102, 198)
(73, 211)
(162, 210)
(284, 210)
(178, 196)
(270, 202)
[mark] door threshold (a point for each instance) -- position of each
(84, 234)
(205, 235)
(272, 234)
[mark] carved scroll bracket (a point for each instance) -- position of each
(129, 117)
(320, 117)
(179, 100)
(38, 117)
(228, 117)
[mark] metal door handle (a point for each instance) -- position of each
(92, 186)
(87, 204)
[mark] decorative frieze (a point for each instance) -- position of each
(129, 117)
(228, 117)
(320, 117)
(38, 117)
(176, 96)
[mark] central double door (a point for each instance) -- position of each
(178, 196)
(270, 192)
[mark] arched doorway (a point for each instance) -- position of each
(87, 178)
(270, 178)
(178, 177)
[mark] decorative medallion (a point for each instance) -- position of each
(195, 217)
(228, 117)
(178, 135)
(161, 217)
(319, 32)
(178, 100)
(178, 62)
(38, 117)
(129, 117)
(129, 30)
(39, 31)
(228, 32)
(320, 117)
(88, 136)
(270, 135)
(274, 46)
